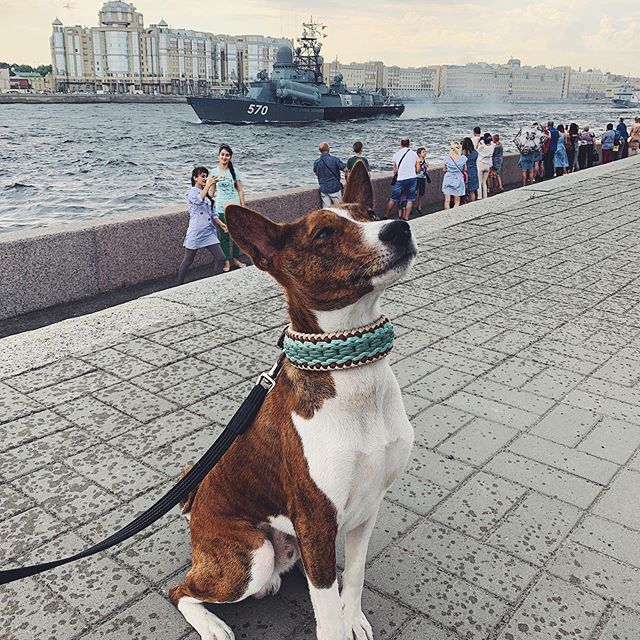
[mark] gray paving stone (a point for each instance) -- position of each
(478, 441)
(515, 372)
(191, 391)
(173, 458)
(478, 333)
(493, 570)
(609, 538)
(256, 349)
(162, 554)
(119, 364)
(623, 625)
(492, 410)
(97, 586)
(151, 617)
(180, 332)
(449, 345)
(13, 502)
(151, 352)
(435, 424)
(216, 336)
(172, 374)
(440, 384)
(461, 363)
(71, 497)
(479, 505)
(417, 494)
(606, 406)
(543, 478)
(611, 390)
(39, 453)
(29, 610)
(566, 424)
(97, 418)
(134, 401)
(218, 408)
(558, 360)
(50, 374)
(409, 370)
(243, 365)
(621, 501)
(239, 391)
(427, 465)
(25, 531)
(619, 370)
(510, 342)
(15, 404)
(158, 433)
(74, 388)
(598, 573)
(32, 427)
(512, 397)
(613, 440)
(421, 629)
(393, 520)
(553, 382)
(555, 610)
(535, 528)
(564, 458)
(115, 471)
(414, 404)
(450, 601)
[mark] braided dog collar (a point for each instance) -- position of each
(339, 350)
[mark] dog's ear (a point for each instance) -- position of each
(359, 189)
(256, 235)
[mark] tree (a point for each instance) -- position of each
(14, 68)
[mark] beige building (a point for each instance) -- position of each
(587, 84)
(4, 80)
(121, 55)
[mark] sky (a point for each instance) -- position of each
(603, 34)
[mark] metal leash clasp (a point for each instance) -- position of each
(267, 379)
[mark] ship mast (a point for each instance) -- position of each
(309, 47)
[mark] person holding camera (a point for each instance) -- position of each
(201, 233)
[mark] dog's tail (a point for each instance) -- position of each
(185, 505)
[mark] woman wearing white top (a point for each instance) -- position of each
(485, 162)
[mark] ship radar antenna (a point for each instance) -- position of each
(309, 46)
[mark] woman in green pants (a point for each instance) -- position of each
(228, 191)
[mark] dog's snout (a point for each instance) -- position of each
(396, 232)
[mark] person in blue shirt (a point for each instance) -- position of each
(327, 168)
(623, 136)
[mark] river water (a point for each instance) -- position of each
(62, 163)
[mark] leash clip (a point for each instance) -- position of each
(267, 379)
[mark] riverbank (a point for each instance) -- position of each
(87, 98)
(66, 263)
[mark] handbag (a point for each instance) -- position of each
(395, 175)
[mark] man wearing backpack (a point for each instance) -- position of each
(327, 168)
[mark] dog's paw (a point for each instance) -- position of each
(360, 629)
(216, 629)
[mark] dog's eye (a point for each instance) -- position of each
(324, 233)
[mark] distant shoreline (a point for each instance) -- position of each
(87, 98)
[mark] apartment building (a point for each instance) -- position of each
(121, 55)
(4, 80)
(587, 84)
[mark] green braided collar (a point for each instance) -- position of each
(340, 350)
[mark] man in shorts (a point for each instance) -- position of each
(404, 171)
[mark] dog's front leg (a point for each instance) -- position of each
(355, 559)
(318, 551)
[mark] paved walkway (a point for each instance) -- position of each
(519, 358)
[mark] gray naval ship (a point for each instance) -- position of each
(295, 92)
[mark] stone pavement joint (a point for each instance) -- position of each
(518, 516)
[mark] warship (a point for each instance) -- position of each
(625, 97)
(295, 92)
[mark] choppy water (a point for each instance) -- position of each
(61, 163)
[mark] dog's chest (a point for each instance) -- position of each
(358, 442)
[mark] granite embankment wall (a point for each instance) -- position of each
(56, 265)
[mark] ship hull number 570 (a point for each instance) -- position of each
(258, 109)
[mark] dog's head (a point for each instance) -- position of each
(332, 257)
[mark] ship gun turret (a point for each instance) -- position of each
(304, 93)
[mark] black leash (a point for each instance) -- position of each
(238, 424)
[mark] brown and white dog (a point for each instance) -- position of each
(325, 446)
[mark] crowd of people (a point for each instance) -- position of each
(547, 151)
(472, 171)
